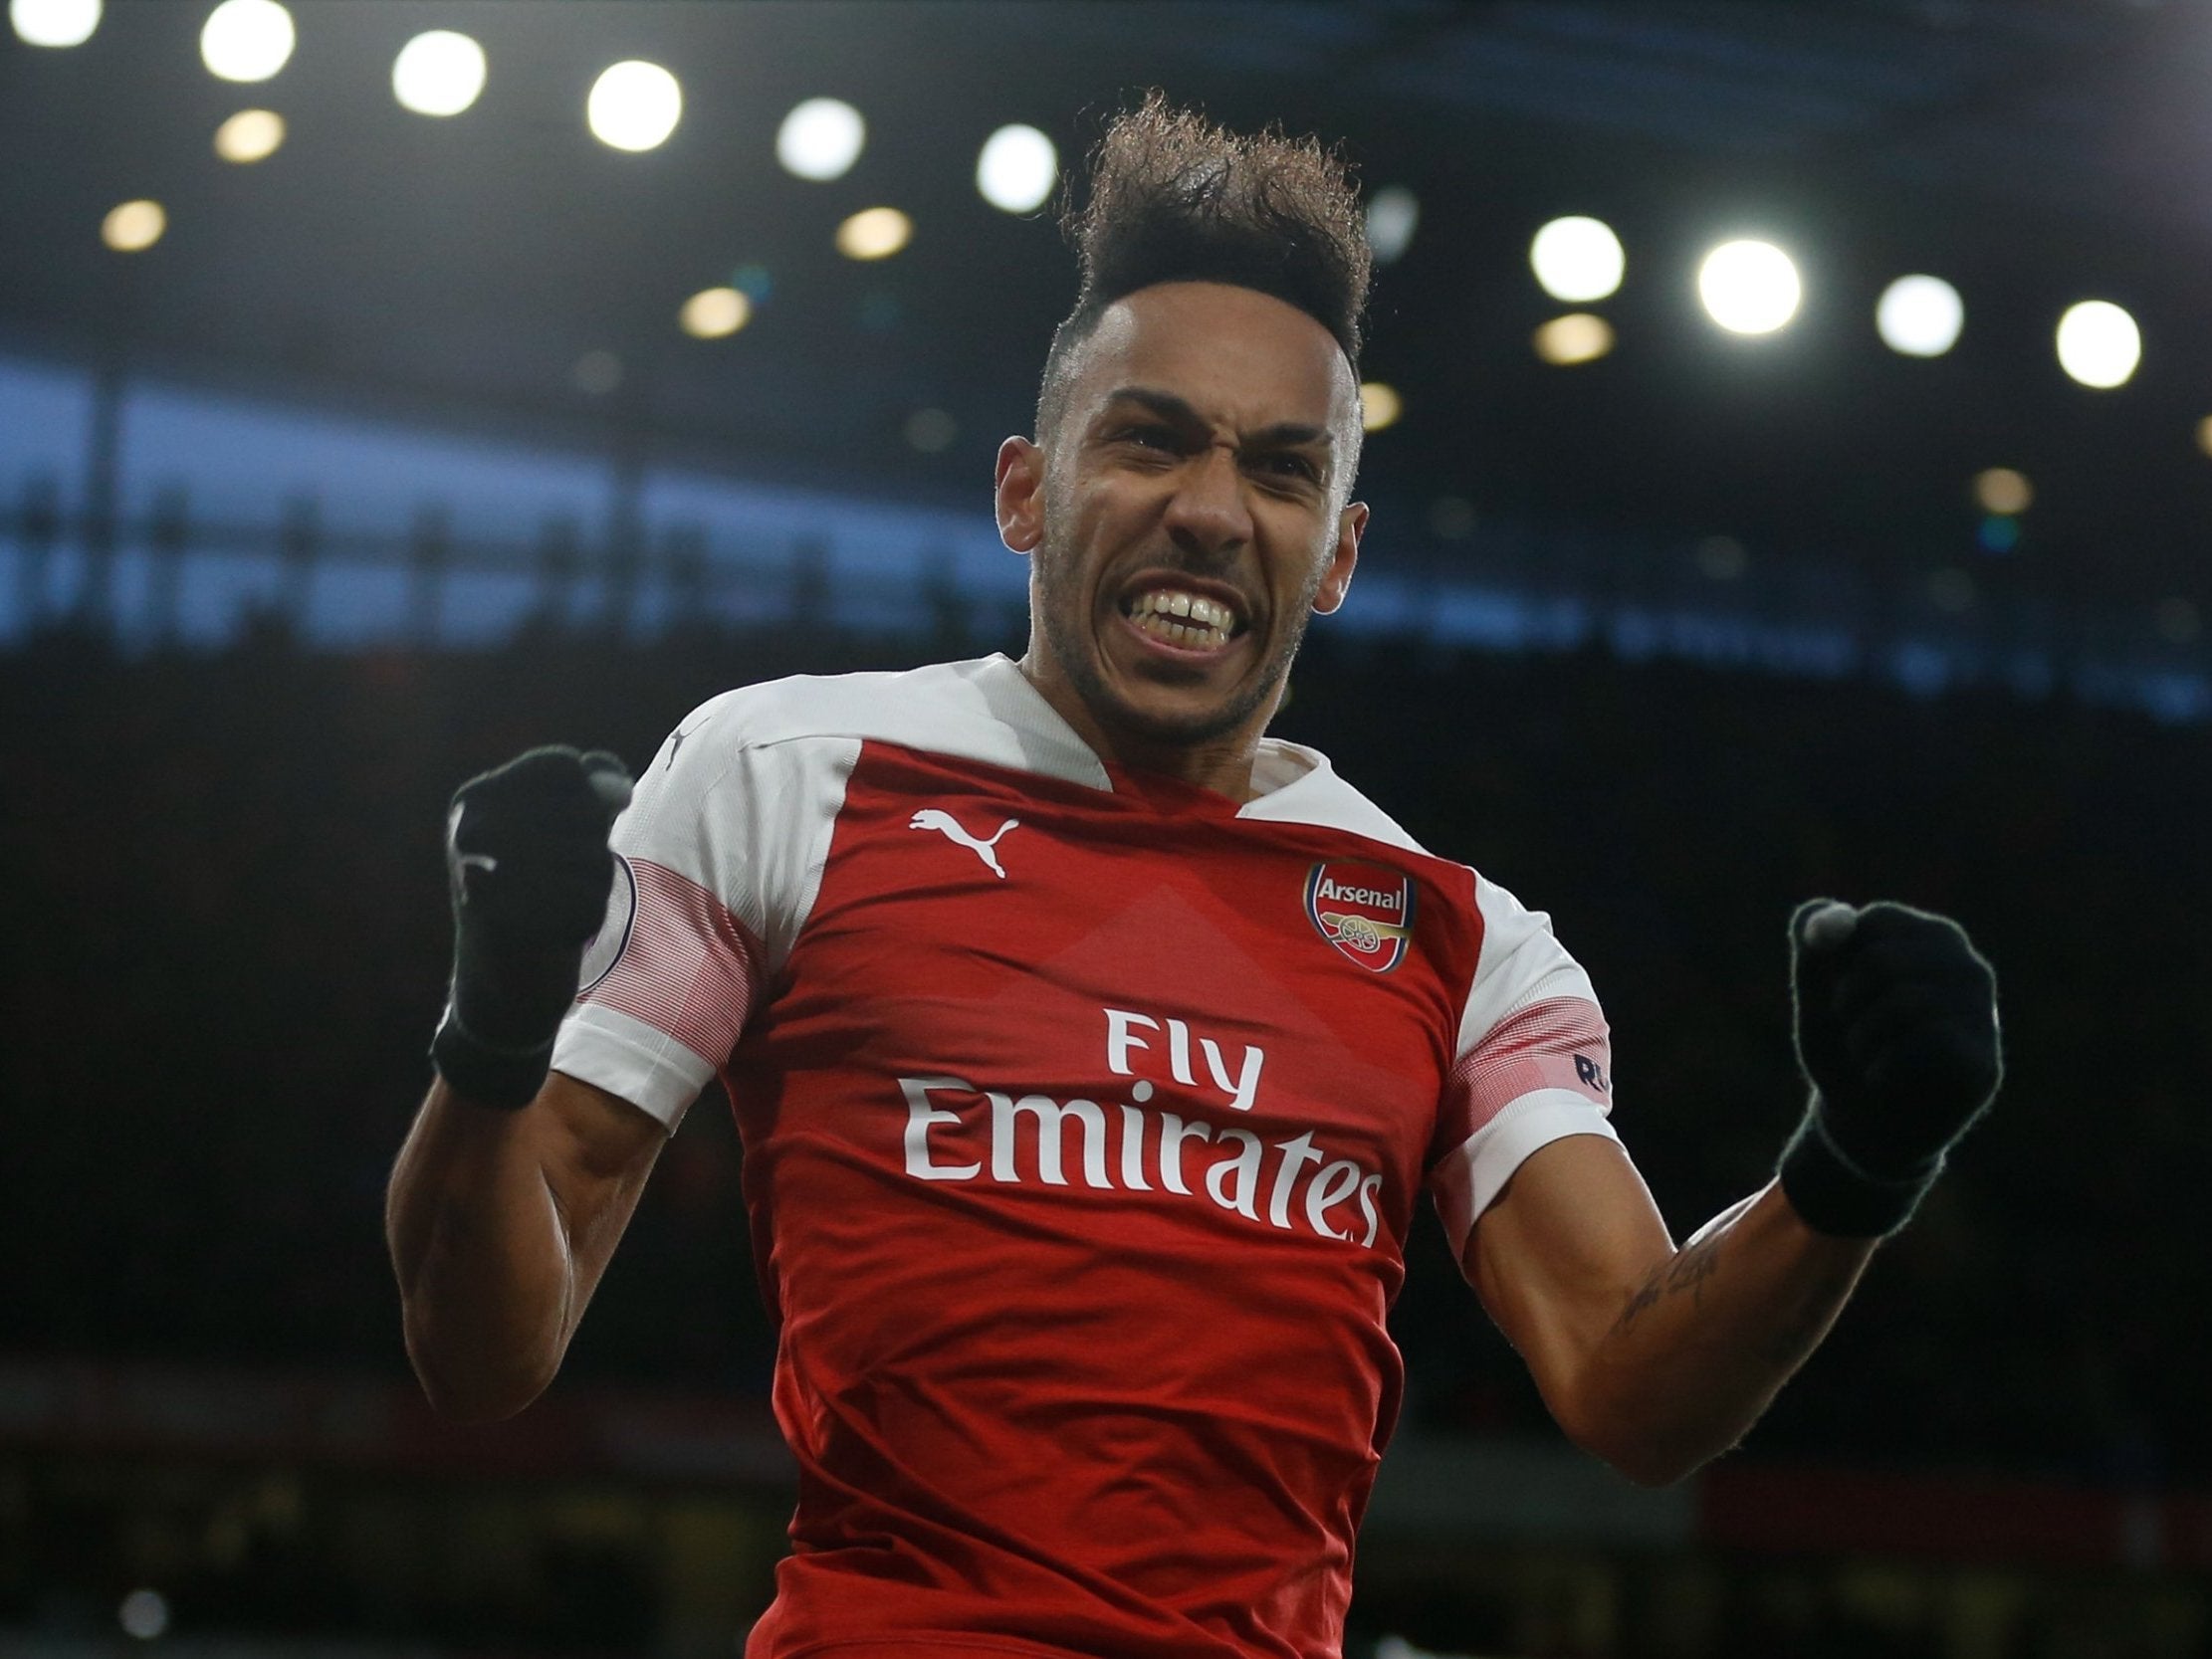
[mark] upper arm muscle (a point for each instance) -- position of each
(1556, 1255)
(595, 1150)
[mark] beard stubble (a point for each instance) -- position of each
(1066, 616)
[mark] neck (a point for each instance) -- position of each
(1223, 764)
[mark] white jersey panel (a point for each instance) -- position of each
(722, 849)
(1534, 1065)
(1299, 786)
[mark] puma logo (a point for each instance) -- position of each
(934, 819)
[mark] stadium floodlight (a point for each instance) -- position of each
(714, 312)
(634, 106)
(144, 1616)
(874, 233)
(1016, 168)
(440, 72)
(1919, 316)
(247, 40)
(1749, 288)
(2098, 343)
(1393, 213)
(54, 22)
(1577, 337)
(820, 139)
(250, 135)
(2002, 489)
(1380, 405)
(1577, 259)
(134, 227)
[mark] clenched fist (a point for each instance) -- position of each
(1897, 1030)
(527, 854)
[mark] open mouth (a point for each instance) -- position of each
(1183, 617)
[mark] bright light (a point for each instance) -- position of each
(634, 106)
(1749, 288)
(1392, 216)
(438, 73)
(2001, 490)
(1577, 260)
(1577, 337)
(1919, 316)
(1016, 168)
(144, 1616)
(54, 22)
(820, 139)
(134, 225)
(250, 135)
(2204, 434)
(246, 40)
(1380, 405)
(874, 233)
(2098, 343)
(715, 312)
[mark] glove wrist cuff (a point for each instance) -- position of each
(483, 1073)
(1832, 1194)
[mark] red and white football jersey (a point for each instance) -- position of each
(1085, 1113)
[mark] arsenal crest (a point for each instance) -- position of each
(1364, 909)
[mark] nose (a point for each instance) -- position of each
(1207, 516)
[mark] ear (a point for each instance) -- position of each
(1020, 490)
(1336, 581)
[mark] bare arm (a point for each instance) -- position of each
(1653, 1359)
(500, 1224)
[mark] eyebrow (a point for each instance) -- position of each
(1168, 407)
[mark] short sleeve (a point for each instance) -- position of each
(1534, 1063)
(720, 855)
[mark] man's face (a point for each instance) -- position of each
(1192, 509)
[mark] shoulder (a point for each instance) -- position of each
(1519, 957)
(1304, 788)
(831, 706)
(982, 709)
(1300, 786)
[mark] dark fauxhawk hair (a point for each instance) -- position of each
(1176, 198)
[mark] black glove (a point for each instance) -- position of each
(1897, 1030)
(527, 852)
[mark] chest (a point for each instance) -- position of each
(1053, 943)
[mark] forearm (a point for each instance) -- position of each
(1708, 1339)
(487, 1276)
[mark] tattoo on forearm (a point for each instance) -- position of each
(1687, 1272)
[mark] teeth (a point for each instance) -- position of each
(1209, 616)
(1165, 627)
